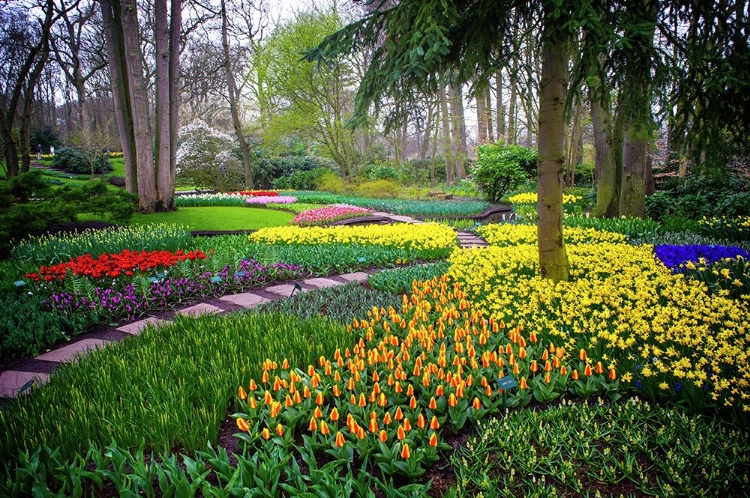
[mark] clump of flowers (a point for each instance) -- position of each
(434, 363)
(258, 193)
(328, 214)
(267, 199)
(125, 263)
(677, 257)
(531, 198)
(504, 234)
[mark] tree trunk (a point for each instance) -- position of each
(553, 259)
(161, 114)
(168, 190)
(607, 188)
(234, 98)
(139, 104)
(112, 23)
(488, 116)
(481, 116)
(459, 130)
(446, 134)
(499, 105)
(633, 189)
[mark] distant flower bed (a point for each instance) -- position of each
(267, 199)
(329, 214)
(202, 200)
(258, 193)
(677, 257)
(531, 198)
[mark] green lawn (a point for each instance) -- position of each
(219, 218)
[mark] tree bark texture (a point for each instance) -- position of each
(446, 136)
(607, 188)
(553, 259)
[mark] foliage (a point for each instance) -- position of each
(203, 200)
(285, 172)
(76, 161)
(399, 280)
(695, 197)
(302, 180)
(455, 223)
(29, 204)
(340, 304)
(187, 371)
(676, 341)
(378, 189)
(737, 228)
(506, 234)
(501, 168)
(652, 450)
(633, 228)
(206, 158)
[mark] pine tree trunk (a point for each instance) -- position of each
(607, 188)
(446, 135)
(459, 131)
(481, 117)
(553, 259)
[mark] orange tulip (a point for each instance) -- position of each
(452, 400)
(548, 378)
(563, 370)
(336, 391)
(433, 440)
(587, 371)
(413, 403)
(405, 453)
(434, 424)
(340, 439)
(523, 384)
(313, 424)
(612, 374)
(433, 404)
(400, 434)
(306, 392)
(599, 367)
(253, 386)
(409, 389)
(267, 399)
(252, 403)
(547, 366)
(532, 337)
(373, 425)
(574, 375)
(362, 400)
(334, 414)
(324, 428)
(276, 383)
(476, 403)
(265, 433)
(317, 413)
(243, 425)
(534, 366)
(522, 352)
(264, 377)
(582, 355)
(241, 393)
(398, 415)
(421, 421)
(383, 436)
(439, 391)
(516, 369)
(382, 400)
(275, 409)
(387, 418)
(279, 430)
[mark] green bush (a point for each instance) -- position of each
(301, 180)
(695, 197)
(379, 189)
(267, 171)
(501, 168)
(330, 182)
(76, 161)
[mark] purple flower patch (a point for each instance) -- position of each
(674, 257)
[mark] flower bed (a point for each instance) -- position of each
(424, 237)
(202, 200)
(668, 336)
(505, 234)
(329, 214)
(265, 199)
(531, 198)
(259, 193)
(675, 257)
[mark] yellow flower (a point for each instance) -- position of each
(664, 386)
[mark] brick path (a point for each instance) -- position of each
(37, 370)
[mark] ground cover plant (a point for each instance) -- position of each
(397, 206)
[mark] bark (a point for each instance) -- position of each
(174, 100)
(233, 93)
(488, 116)
(139, 106)
(607, 188)
(633, 188)
(553, 259)
(111, 20)
(161, 114)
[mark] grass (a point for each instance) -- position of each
(213, 218)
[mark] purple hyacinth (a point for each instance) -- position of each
(675, 256)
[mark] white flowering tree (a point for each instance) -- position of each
(207, 159)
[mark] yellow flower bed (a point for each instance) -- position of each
(505, 234)
(661, 331)
(531, 198)
(427, 236)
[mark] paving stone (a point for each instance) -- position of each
(12, 381)
(136, 328)
(246, 299)
(284, 290)
(355, 277)
(200, 309)
(321, 283)
(69, 352)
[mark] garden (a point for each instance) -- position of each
(449, 372)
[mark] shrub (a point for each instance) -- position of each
(379, 189)
(285, 172)
(205, 159)
(301, 180)
(501, 168)
(76, 161)
(331, 182)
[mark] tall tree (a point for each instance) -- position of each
(24, 52)
(426, 38)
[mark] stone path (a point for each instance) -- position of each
(36, 371)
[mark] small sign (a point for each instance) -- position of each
(216, 279)
(239, 274)
(19, 283)
(507, 382)
(154, 280)
(161, 275)
(297, 287)
(361, 259)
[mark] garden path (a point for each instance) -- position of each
(36, 371)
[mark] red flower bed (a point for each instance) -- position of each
(114, 265)
(259, 193)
